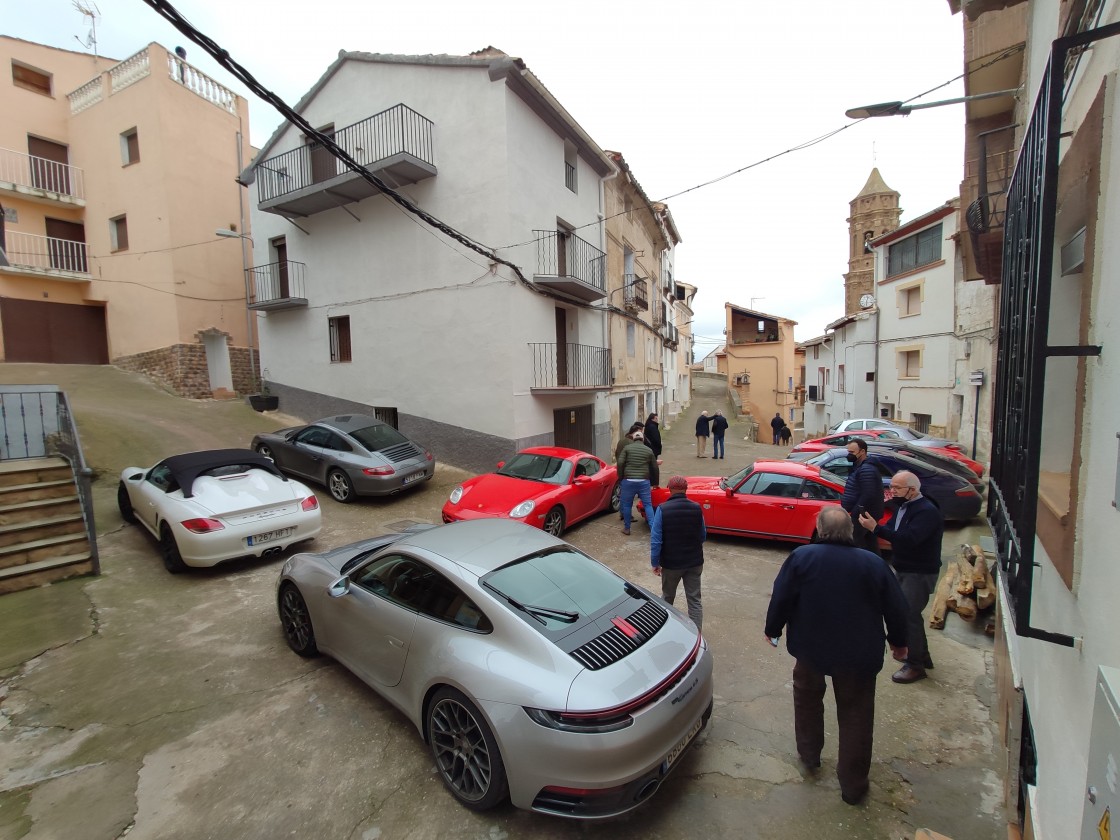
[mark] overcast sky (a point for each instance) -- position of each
(688, 92)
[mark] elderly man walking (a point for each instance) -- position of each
(703, 429)
(835, 599)
(914, 532)
(676, 547)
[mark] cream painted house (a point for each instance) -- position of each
(113, 178)
(760, 363)
(1046, 237)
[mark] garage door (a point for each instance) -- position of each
(55, 333)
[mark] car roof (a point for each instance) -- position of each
(482, 545)
(780, 465)
(350, 422)
(912, 464)
(190, 465)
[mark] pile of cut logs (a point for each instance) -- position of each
(966, 588)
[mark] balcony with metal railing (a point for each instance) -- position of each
(396, 145)
(41, 180)
(278, 285)
(635, 292)
(569, 265)
(563, 368)
(44, 256)
(984, 199)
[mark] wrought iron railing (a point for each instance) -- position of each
(45, 253)
(39, 173)
(635, 291)
(990, 174)
(563, 254)
(277, 281)
(36, 422)
(570, 366)
(570, 176)
(1017, 417)
(397, 130)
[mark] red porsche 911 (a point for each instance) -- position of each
(548, 487)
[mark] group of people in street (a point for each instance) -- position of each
(837, 600)
(781, 431)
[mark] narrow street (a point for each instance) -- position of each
(144, 705)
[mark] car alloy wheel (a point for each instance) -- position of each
(554, 521)
(296, 621)
(169, 549)
(338, 483)
(465, 751)
(124, 504)
(264, 452)
(615, 503)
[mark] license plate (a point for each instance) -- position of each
(408, 479)
(271, 536)
(676, 751)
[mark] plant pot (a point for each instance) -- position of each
(263, 402)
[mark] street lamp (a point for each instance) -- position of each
(226, 233)
(891, 109)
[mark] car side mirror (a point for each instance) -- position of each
(501, 464)
(340, 587)
(729, 491)
(582, 479)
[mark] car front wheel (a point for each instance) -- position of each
(340, 486)
(465, 751)
(614, 504)
(296, 621)
(169, 550)
(264, 451)
(124, 504)
(554, 521)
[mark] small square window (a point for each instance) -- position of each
(31, 79)
(910, 301)
(118, 233)
(340, 338)
(130, 147)
(910, 364)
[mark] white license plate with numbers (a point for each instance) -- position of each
(271, 536)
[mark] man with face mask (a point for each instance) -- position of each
(863, 493)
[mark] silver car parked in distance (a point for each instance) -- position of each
(349, 454)
(531, 670)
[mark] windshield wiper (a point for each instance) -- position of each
(533, 610)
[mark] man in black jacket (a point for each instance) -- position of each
(676, 547)
(703, 429)
(914, 532)
(835, 600)
(719, 429)
(863, 491)
(776, 423)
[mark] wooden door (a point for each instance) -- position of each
(50, 168)
(323, 163)
(574, 427)
(280, 245)
(66, 244)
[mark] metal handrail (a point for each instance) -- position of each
(39, 173)
(570, 366)
(48, 253)
(563, 254)
(277, 281)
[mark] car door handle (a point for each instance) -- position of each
(395, 642)
(788, 507)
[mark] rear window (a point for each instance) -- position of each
(561, 579)
(380, 436)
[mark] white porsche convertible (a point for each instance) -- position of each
(217, 505)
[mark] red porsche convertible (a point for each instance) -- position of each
(548, 487)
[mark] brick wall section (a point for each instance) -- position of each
(182, 369)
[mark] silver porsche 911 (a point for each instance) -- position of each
(533, 672)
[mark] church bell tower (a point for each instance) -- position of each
(874, 211)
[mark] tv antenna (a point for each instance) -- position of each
(90, 11)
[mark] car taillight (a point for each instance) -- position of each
(428, 456)
(310, 503)
(379, 471)
(202, 525)
(608, 722)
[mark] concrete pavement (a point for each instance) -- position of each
(149, 706)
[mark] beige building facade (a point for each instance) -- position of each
(761, 365)
(114, 177)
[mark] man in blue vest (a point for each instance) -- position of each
(676, 547)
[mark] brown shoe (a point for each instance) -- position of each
(908, 674)
(626, 532)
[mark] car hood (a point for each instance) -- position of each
(243, 492)
(498, 494)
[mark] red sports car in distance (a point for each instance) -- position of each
(941, 447)
(773, 500)
(548, 487)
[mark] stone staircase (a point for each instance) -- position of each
(42, 532)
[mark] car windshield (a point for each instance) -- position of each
(377, 437)
(546, 468)
(733, 480)
(551, 585)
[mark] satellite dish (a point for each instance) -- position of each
(866, 301)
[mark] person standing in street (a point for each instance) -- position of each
(626, 439)
(637, 469)
(776, 423)
(863, 492)
(652, 432)
(703, 426)
(835, 600)
(719, 429)
(914, 532)
(676, 547)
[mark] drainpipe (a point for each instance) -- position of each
(245, 261)
(875, 390)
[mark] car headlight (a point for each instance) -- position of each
(522, 510)
(456, 495)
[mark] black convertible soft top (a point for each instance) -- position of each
(190, 465)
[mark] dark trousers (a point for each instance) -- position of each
(718, 448)
(917, 588)
(670, 578)
(855, 718)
